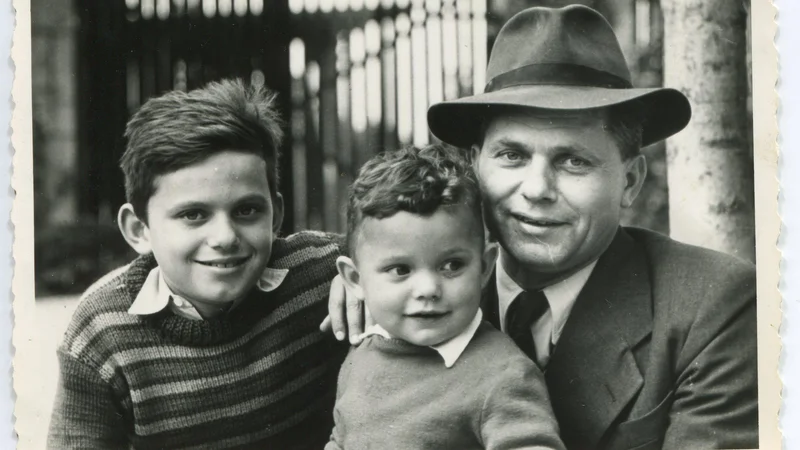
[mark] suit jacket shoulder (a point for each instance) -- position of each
(695, 291)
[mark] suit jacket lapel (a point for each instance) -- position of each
(592, 374)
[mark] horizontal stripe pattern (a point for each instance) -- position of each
(190, 385)
(276, 371)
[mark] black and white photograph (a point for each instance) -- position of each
(396, 224)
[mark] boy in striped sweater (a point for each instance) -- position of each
(430, 374)
(209, 339)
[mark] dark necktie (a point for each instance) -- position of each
(523, 312)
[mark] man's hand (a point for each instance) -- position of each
(346, 313)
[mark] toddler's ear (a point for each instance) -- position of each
(490, 253)
(349, 273)
(134, 230)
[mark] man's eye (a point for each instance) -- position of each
(574, 161)
(510, 156)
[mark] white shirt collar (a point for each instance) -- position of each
(449, 350)
(155, 294)
(561, 296)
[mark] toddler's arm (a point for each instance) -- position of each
(85, 415)
(517, 413)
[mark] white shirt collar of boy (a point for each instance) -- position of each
(560, 296)
(449, 350)
(155, 294)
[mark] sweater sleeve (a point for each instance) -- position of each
(85, 415)
(517, 413)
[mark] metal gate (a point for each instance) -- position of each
(354, 77)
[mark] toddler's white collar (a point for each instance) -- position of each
(449, 350)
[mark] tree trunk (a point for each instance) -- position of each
(710, 163)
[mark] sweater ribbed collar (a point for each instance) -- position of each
(185, 331)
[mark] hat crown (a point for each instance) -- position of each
(575, 37)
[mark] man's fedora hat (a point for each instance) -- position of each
(558, 59)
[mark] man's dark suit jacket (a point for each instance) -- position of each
(658, 351)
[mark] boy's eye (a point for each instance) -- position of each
(248, 211)
(192, 215)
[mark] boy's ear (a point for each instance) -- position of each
(349, 273)
(490, 253)
(277, 212)
(134, 230)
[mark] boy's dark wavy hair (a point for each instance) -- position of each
(415, 180)
(179, 129)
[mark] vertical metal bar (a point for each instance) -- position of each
(389, 84)
(344, 131)
(328, 122)
(419, 81)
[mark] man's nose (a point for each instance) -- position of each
(223, 234)
(539, 182)
(427, 286)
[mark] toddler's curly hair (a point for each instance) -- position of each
(415, 180)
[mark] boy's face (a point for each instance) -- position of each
(211, 227)
(422, 276)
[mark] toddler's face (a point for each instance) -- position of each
(210, 227)
(422, 276)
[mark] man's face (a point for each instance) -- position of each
(553, 189)
(211, 227)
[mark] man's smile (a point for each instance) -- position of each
(538, 221)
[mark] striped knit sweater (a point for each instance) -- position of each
(263, 376)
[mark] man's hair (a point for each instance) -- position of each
(415, 180)
(625, 124)
(179, 129)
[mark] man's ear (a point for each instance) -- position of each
(277, 212)
(349, 273)
(490, 253)
(134, 230)
(635, 173)
(474, 153)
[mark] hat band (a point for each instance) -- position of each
(557, 74)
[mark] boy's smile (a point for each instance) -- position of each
(421, 275)
(210, 227)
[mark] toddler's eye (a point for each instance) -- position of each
(453, 266)
(399, 271)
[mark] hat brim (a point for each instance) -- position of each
(458, 122)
